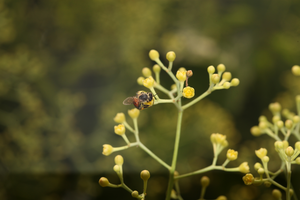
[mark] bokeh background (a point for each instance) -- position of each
(66, 66)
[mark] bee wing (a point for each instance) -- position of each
(128, 101)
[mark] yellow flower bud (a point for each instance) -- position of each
(278, 145)
(262, 118)
(257, 166)
(217, 138)
(205, 181)
(279, 124)
(288, 124)
(226, 76)
(232, 154)
(255, 130)
(261, 171)
(156, 68)
(120, 118)
(104, 182)
(277, 194)
(188, 92)
(153, 54)
(181, 75)
(189, 73)
(117, 168)
(221, 68)
(296, 119)
(215, 78)
(211, 69)
(297, 145)
(145, 175)
(149, 82)
(140, 80)
(173, 86)
(235, 82)
(107, 149)
(263, 125)
(171, 56)
(119, 160)
(146, 72)
(226, 85)
(296, 70)
(135, 194)
(248, 179)
(275, 119)
(265, 159)
(134, 113)
(261, 152)
(289, 151)
(244, 167)
(120, 129)
(298, 161)
(275, 107)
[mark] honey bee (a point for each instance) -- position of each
(141, 100)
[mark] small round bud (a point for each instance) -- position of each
(171, 56)
(267, 183)
(235, 82)
(232, 154)
(263, 125)
(173, 86)
(181, 75)
(275, 119)
(120, 118)
(104, 182)
(148, 82)
(257, 166)
(296, 70)
(140, 80)
(182, 69)
(285, 144)
(279, 124)
(221, 68)
(288, 124)
(265, 159)
(278, 145)
(189, 73)
(262, 118)
(248, 179)
(226, 85)
(215, 78)
(107, 149)
(276, 194)
(297, 145)
(296, 119)
(156, 68)
(261, 171)
(244, 167)
(119, 160)
(211, 69)
(134, 113)
(145, 175)
(289, 151)
(188, 92)
(298, 161)
(120, 129)
(221, 198)
(205, 181)
(275, 107)
(153, 54)
(135, 194)
(298, 98)
(261, 152)
(226, 76)
(117, 168)
(255, 131)
(146, 72)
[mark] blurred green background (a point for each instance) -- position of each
(66, 66)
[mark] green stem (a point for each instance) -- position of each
(175, 154)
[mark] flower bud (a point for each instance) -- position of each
(278, 145)
(189, 73)
(153, 54)
(289, 151)
(232, 154)
(276, 194)
(119, 160)
(297, 145)
(226, 76)
(298, 98)
(261, 171)
(107, 149)
(146, 72)
(205, 181)
(188, 92)
(296, 119)
(265, 159)
(288, 124)
(262, 118)
(156, 68)
(181, 75)
(215, 78)
(211, 69)
(145, 175)
(171, 56)
(119, 118)
(257, 166)
(255, 131)
(226, 85)
(263, 125)
(279, 124)
(134, 113)
(135, 194)
(221, 68)
(104, 182)
(296, 70)
(248, 179)
(261, 152)
(148, 82)
(117, 168)
(120, 129)
(298, 161)
(244, 167)
(275, 107)
(235, 82)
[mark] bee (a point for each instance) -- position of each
(141, 100)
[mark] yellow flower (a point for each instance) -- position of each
(261, 152)
(181, 75)
(232, 154)
(218, 138)
(119, 118)
(188, 92)
(244, 167)
(107, 149)
(149, 82)
(134, 113)
(248, 179)
(120, 129)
